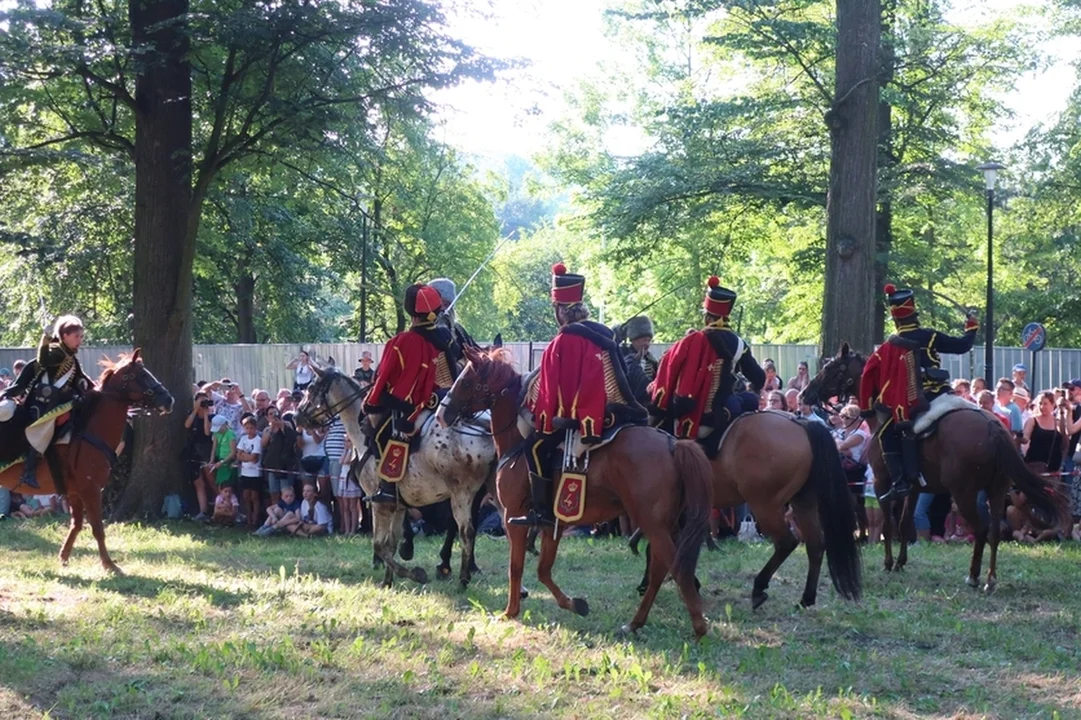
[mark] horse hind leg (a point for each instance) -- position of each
(516, 537)
(549, 548)
(772, 523)
(75, 501)
(461, 505)
(442, 570)
(661, 553)
(805, 512)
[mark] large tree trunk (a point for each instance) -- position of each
(164, 242)
(887, 170)
(847, 313)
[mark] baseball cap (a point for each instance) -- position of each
(1021, 367)
(217, 423)
(1075, 383)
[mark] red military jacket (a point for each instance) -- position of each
(406, 376)
(687, 381)
(890, 378)
(572, 385)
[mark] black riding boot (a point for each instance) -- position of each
(387, 495)
(899, 487)
(541, 513)
(30, 469)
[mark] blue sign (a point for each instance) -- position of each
(1034, 337)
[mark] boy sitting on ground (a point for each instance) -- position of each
(282, 514)
(314, 517)
(226, 506)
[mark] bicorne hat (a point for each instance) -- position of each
(567, 288)
(719, 301)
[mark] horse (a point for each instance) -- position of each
(969, 451)
(87, 459)
(769, 460)
(449, 463)
(661, 483)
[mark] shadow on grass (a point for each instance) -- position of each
(150, 588)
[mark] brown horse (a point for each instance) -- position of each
(662, 484)
(969, 451)
(770, 460)
(87, 460)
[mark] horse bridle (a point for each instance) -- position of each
(490, 399)
(147, 392)
(842, 367)
(328, 410)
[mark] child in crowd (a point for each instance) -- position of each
(315, 518)
(348, 492)
(222, 452)
(957, 530)
(281, 514)
(226, 506)
(249, 449)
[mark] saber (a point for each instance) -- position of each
(476, 272)
(45, 322)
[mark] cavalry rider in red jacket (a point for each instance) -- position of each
(415, 364)
(582, 385)
(695, 379)
(900, 379)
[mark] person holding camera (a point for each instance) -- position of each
(229, 403)
(199, 445)
(301, 366)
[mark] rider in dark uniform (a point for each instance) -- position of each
(634, 338)
(696, 382)
(449, 317)
(51, 384)
(902, 376)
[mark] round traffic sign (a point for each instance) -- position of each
(1034, 337)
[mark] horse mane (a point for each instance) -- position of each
(109, 367)
(499, 368)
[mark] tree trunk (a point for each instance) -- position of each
(850, 205)
(245, 308)
(164, 243)
(887, 171)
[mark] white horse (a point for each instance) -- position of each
(449, 463)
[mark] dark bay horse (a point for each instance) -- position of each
(88, 459)
(769, 460)
(662, 484)
(969, 451)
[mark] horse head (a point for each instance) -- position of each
(129, 381)
(487, 376)
(330, 394)
(839, 377)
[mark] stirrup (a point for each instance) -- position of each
(385, 495)
(897, 490)
(532, 519)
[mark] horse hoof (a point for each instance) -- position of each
(972, 582)
(989, 588)
(626, 630)
(405, 551)
(113, 569)
(523, 594)
(580, 606)
(641, 589)
(442, 573)
(420, 575)
(757, 599)
(804, 604)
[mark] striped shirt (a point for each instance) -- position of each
(335, 440)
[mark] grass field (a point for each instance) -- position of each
(211, 623)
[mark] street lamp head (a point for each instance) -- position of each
(990, 172)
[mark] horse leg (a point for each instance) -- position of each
(907, 530)
(805, 513)
(966, 505)
(660, 553)
(75, 501)
(461, 506)
(442, 570)
(516, 536)
(92, 503)
(889, 527)
(771, 522)
(549, 548)
(997, 501)
(405, 550)
(386, 522)
(642, 586)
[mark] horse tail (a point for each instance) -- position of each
(696, 476)
(1044, 494)
(835, 512)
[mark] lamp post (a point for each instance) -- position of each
(990, 174)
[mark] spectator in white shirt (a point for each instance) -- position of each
(302, 368)
(249, 451)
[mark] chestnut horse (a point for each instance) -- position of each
(663, 485)
(771, 460)
(87, 460)
(969, 451)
